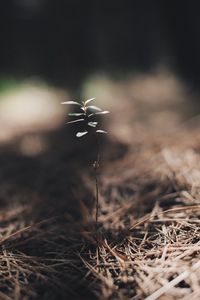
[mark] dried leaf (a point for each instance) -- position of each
(88, 101)
(80, 134)
(71, 102)
(93, 124)
(79, 120)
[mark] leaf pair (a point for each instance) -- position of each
(84, 103)
(80, 134)
(93, 124)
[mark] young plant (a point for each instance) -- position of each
(87, 115)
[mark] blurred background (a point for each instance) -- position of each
(139, 58)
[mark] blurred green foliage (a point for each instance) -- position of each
(9, 84)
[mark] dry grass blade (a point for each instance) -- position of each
(173, 282)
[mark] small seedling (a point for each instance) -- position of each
(87, 117)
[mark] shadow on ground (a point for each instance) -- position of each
(43, 205)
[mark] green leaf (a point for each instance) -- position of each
(75, 114)
(101, 131)
(93, 124)
(80, 134)
(93, 107)
(71, 102)
(99, 113)
(88, 101)
(79, 120)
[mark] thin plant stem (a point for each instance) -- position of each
(96, 167)
(97, 198)
(97, 162)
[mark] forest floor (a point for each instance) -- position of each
(149, 219)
